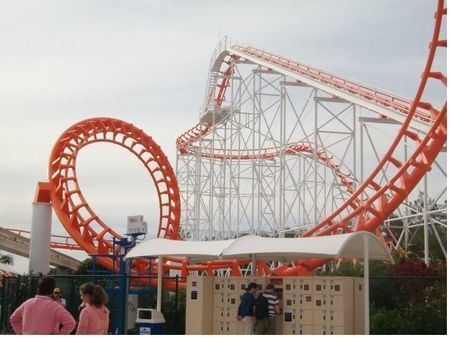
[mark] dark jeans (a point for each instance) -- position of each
(262, 326)
(265, 326)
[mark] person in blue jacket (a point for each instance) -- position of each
(246, 309)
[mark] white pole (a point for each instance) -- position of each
(366, 286)
(159, 294)
(253, 265)
(41, 224)
(425, 222)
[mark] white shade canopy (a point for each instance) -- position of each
(189, 249)
(337, 246)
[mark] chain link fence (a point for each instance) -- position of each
(17, 289)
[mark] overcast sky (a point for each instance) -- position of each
(146, 62)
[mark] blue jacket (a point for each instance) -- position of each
(246, 306)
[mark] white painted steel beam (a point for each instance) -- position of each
(415, 123)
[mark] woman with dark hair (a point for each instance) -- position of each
(94, 318)
(41, 314)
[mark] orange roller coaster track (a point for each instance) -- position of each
(370, 204)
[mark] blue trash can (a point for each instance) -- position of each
(149, 321)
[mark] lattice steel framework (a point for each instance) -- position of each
(278, 148)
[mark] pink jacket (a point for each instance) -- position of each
(42, 315)
(93, 320)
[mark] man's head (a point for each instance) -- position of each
(45, 286)
(252, 287)
(270, 288)
(57, 291)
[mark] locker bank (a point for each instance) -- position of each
(309, 305)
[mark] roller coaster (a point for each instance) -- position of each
(259, 162)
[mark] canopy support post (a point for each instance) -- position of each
(253, 265)
(159, 294)
(366, 286)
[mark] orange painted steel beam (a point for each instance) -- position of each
(89, 231)
(72, 209)
(369, 208)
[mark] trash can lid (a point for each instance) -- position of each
(149, 316)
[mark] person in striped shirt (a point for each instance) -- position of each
(267, 325)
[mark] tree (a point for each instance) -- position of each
(84, 267)
(6, 259)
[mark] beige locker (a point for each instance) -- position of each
(233, 299)
(340, 318)
(341, 286)
(220, 299)
(320, 285)
(305, 285)
(290, 301)
(329, 329)
(219, 285)
(233, 327)
(239, 284)
(338, 302)
(232, 284)
(290, 285)
(319, 301)
(242, 285)
(337, 330)
(320, 329)
(199, 305)
(218, 327)
(219, 313)
(358, 296)
(289, 316)
(320, 317)
(290, 328)
(304, 316)
(225, 328)
(305, 301)
(304, 329)
(232, 313)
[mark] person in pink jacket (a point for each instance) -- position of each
(94, 318)
(41, 314)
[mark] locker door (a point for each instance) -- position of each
(233, 299)
(290, 329)
(305, 301)
(320, 329)
(319, 302)
(305, 285)
(320, 285)
(290, 301)
(232, 285)
(220, 299)
(305, 316)
(219, 327)
(304, 329)
(290, 285)
(336, 302)
(219, 313)
(289, 316)
(320, 317)
(232, 327)
(337, 286)
(334, 330)
(336, 317)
